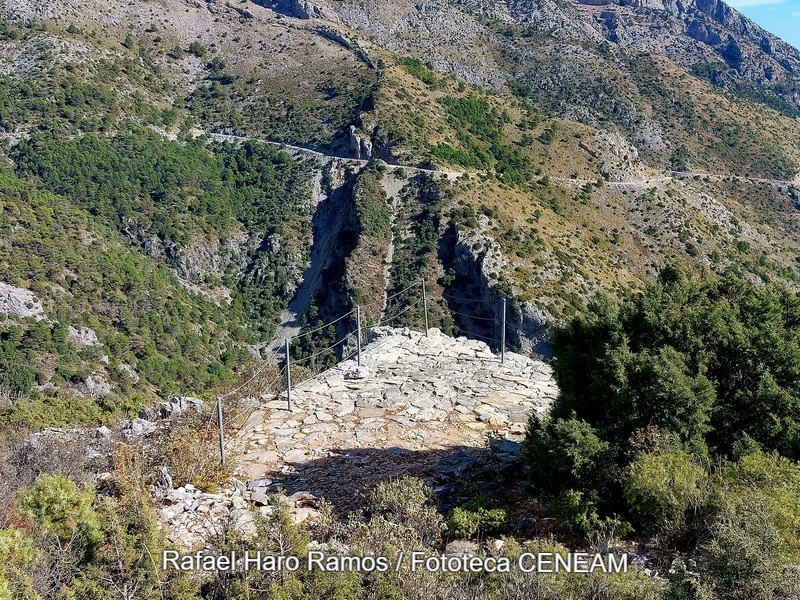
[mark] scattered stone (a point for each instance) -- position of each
(357, 373)
(461, 548)
(239, 486)
(134, 428)
(179, 405)
(457, 465)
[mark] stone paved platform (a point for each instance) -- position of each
(414, 399)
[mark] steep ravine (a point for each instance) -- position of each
(332, 220)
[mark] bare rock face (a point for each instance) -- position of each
(729, 49)
(96, 385)
(360, 145)
(19, 302)
(301, 9)
(481, 261)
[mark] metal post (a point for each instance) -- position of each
(503, 335)
(425, 306)
(221, 431)
(288, 378)
(358, 333)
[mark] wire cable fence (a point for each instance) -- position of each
(318, 355)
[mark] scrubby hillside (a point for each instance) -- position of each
(533, 152)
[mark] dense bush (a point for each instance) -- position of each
(76, 545)
(658, 393)
(710, 359)
(662, 488)
(477, 520)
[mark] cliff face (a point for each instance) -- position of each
(710, 31)
(707, 36)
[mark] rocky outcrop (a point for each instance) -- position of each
(178, 405)
(84, 336)
(95, 385)
(360, 145)
(750, 54)
(19, 302)
(478, 264)
(301, 9)
(620, 158)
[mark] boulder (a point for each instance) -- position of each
(461, 548)
(19, 302)
(84, 336)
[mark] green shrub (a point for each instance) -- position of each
(477, 521)
(567, 454)
(421, 71)
(20, 557)
(407, 501)
(574, 512)
(662, 488)
(60, 508)
(16, 377)
(198, 49)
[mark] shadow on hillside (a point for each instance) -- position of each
(346, 476)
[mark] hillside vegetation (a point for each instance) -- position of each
(168, 339)
(624, 179)
(678, 414)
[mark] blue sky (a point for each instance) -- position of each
(781, 17)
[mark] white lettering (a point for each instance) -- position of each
(527, 562)
(417, 560)
(170, 556)
(618, 567)
(580, 562)
(315, 560)
(543, 565)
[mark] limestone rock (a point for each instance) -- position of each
(130, 372)
(134, 428)
(302, 9)
(96, 385)
(84, 336)
(360, 145)
(461, 548)
(178, 405)
(19, 302)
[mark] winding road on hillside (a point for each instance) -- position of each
(330, 220)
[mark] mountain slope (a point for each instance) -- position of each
(532, 151)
